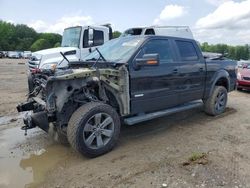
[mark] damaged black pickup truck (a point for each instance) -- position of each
(127, 80)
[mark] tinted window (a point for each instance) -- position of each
(133, 31)
(187, 50)
(150, 32)
(86, 38)
(160, 47)
(98, 38)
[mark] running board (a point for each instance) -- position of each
(145, 117)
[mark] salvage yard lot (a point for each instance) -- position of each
(187, 149)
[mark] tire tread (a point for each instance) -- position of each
(75, 121)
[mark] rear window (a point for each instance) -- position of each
(133, 31)
(187, 50)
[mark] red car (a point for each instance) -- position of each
(243, 77)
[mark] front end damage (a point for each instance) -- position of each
(38, 118)
(56, 98)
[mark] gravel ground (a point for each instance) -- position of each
(188, 149)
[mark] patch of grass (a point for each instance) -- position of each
(196, 156)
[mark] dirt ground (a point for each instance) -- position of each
(188, 149)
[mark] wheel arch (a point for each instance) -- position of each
(221, 78)
(113, 99)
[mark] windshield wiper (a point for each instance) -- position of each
(91, 59)
(101, 55)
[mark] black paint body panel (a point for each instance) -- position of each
(153, 88)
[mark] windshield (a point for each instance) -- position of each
(71, 37)
(117, 50)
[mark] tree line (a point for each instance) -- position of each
(233, 52)
(20, 37)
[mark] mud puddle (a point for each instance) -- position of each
(23, 161)
(4, 120)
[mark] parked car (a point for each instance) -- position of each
(1, 55)
(243, 77)
(27, 54)
(127, 80)
(13, 54)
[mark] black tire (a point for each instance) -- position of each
(30, 83)
(216, 103)
(82, 124)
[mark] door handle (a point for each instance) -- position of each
(201, 69)
(175, 71)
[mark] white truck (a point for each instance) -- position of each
(76, 43)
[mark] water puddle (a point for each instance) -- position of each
(23, 162)
(4, 120)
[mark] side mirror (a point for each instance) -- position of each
(147, 60)
(90, 43)
(91, 37)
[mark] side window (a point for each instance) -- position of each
(86, 39)
(161, 47)
(187, 50)
(150, 32)
(98, 38)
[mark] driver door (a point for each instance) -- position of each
(92, 38)
(154, 87)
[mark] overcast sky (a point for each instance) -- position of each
(214, 21)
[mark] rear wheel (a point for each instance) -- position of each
(216, 103)
(94, 129)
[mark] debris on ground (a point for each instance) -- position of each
(196, 158)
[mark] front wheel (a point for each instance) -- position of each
(31, 84)
(216, 103)
(93, 129)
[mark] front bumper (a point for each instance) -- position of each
(38, 118)
(242, 84)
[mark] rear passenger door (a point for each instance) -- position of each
(154, 87)
(191, 70)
